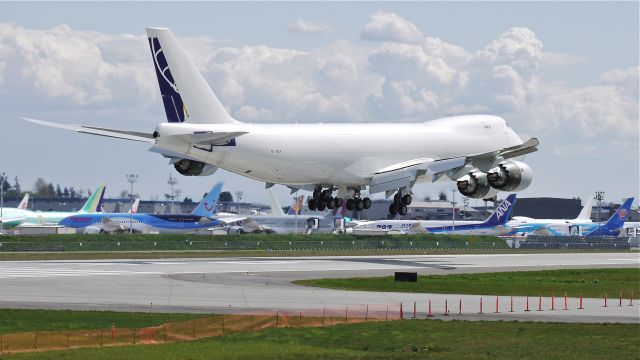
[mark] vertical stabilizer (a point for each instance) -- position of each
(93, 202)
(585, 213)
(276, 208)
(24, 204)
(186, 96)
(297, 206)
(502, 212)
(207, 206)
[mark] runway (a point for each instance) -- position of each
(236, 284)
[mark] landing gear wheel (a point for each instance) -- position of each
(339, 202)
(366, 203)
(406, 199)
(359, 205)
(331, 203)
(393, 209)
(402, 209)
(321, 205)
(351, 204)
(313, 204)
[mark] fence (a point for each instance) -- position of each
(210, 326)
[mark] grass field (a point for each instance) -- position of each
(591, 282)
(415, 339)
(12, 320)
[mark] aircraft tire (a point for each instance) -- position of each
(351, 204)
(359, 204)
(331, 203)
(366, 203)
(313, 204)
(339, 202)
(321, 205)
(393, 209)
(402, 209)
(407, 199)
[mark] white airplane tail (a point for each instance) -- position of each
(24, 203)
(276, 209)
(185, 94)
(585, 213)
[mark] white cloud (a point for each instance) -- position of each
(560, 59)
(79, 67)
(396, 80)
(387, 26)
(309, 27)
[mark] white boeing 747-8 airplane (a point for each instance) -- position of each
(335, 161)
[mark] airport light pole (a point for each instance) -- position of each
(172, 182)
(131, 178)
(453, 211)
(599, 196)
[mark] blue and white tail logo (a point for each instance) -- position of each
(207, 206)
(174, 107)
(502, 212)
(617, 220)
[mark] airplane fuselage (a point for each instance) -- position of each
(337, 154)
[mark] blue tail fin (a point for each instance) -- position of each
(616, 221)
(173, 105)
(207, 206)
(502, 212)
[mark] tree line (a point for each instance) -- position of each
(41, 189)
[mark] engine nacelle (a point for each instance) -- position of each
(188, 167)
(235, 230)
(474, 185)
(510, 175)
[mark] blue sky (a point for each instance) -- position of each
(564, 72)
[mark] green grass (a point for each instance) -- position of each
(416, 339)
(591, 282)
(13, 320)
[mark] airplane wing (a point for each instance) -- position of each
(111, 226)
(231, 219)
(417, 228)
(404, 174)
(114, 133)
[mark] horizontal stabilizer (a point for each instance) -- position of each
(114, 133)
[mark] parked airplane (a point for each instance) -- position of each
(494, 225)
(612, 227)
(335, 161)
(201, 217)
(522, 225)
(280, 223)
(20, 216)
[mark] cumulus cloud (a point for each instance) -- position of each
(405, 77)
(79, 67)
(388, 26)
(309, 27)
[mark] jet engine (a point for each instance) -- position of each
(235, 230)
(189, 167)
(510, 175)
(474, 185)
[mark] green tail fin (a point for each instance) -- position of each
(93, 202)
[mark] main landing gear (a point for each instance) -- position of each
(399, 205)
(324, 199)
